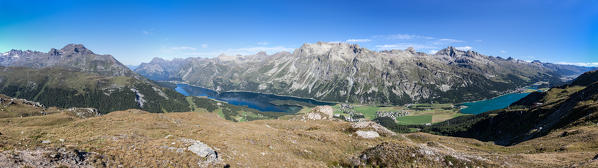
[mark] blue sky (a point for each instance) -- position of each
(137, 31)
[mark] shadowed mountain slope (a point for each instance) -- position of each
(534, 116)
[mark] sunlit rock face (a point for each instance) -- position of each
(348, 73)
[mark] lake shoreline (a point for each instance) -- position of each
(258, 101)
(517, 92)
(463, 105)
(243, 91)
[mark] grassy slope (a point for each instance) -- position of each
(411, 120)
(571, 106)
(284, 143)
(136, 139)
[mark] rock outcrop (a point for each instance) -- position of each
(367, 134)
(208, 155)
(60, 157)
(13, 107)
(83, 112)
(371, 126)
(5, 100)
(390, 154)
(320, 113)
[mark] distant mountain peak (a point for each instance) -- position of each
(472, 53)
(54, 52)
(410, 50)
(450, 51)
(344, 50)
(72, 56)
(454, 51)
(321, 44)
(76, 48)
(262, 53)
(157, 60)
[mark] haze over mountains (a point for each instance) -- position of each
(342, 72)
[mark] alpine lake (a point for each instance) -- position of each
(288, 104)
(497, 103)
(258, 101)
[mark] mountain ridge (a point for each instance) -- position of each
(75, 76)
(71, 56)
(345, 72)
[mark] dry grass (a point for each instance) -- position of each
(577, 147)
(135, 138)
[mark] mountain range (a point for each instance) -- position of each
(77, 77)
(72, 57)
(341, 72)
(554, 128)
(74, 76)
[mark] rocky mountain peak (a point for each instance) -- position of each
(327, 46)
(261, 53)
(410, 50)
(13, 52)
(335, 51)
(157, 60)
(54, 52)
(282, 53)
(76, 48)
(450, 51)
(71, 56)
(471, 53)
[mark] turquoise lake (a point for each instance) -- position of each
(496, 103)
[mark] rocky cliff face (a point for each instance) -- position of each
(349, 73)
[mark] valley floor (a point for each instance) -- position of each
(411, 114)
(135, 138)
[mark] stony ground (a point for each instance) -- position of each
(135, 138)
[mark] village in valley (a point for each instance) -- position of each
(411, 114)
